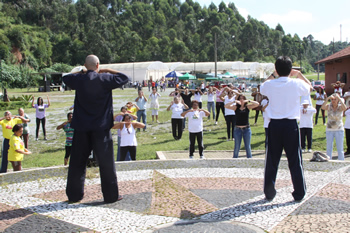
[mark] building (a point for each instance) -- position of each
(337, 68)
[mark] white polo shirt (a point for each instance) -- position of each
(284, 97)
(228, 100)
(306, 117)
(195, 121)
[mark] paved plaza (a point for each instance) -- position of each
(180, 195)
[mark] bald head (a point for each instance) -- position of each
(92, 62)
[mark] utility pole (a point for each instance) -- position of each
(216, 58)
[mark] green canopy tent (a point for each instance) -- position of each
(210, 78)
(187, 76)
(229, 75)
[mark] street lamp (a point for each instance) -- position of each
(300, 47)
(133, 68)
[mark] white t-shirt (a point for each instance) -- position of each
(127, 136)
(198, 97)
(319, 102)
(229, 111)
(177, 109)
(211, 97)
(306, 118)
(195, 121)
(284, 97)
(264, 102)
(347, 119)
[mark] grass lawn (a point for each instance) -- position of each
(158, 137)
(314, 76)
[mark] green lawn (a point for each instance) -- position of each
(158, 137)
(314, 76)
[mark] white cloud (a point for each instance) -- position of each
(326, 35)
(244, 12)
(291, 17)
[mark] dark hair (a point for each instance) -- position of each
(322, 91)
(125, 115)
(194, 102)
(121, 109)
(239, 96)
(17, 127)
(283, 65)
(70, 113)
(38, 101)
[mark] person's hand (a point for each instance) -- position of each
(172, 102)
(294, 73)
(28, 152)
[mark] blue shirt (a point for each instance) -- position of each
(141, 103)
(93, 103)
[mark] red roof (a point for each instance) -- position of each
(341, 54)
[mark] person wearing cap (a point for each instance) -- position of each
(335, 128)
(320, 96)
(92, 121)
(7, 123)
(338, 87)
(306, 125)
(283, 133)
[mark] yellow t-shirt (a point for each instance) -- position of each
(8, 125)
(16, 143)
(132, 111)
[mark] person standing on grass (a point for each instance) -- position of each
(128, 136)
(219, 103)
(40, 115)
(230, 115)
(211, 103)
(92, 121)
(69, 136)
(198, 96)
(320, 97)
(242, 128)
(258, 97)
(141, 103)
(118, 118)
(305, 124)
(195, 127)
(26, 130)
(186, 97)
(283, 111)
(7, 123)
(17, 149)
(335, 128)
(176, 119)
(154, 96)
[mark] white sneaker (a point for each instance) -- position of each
(216, 122)
(309, 150)
(191, 156)
(36, 139)
(303, 150)
(202, 157)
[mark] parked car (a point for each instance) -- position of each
(317, 84)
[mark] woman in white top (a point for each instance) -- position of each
(230, 115)
(198, 96)
(154, 103)
(176, 119)
(335, 128)
(211, 101)
(320, 96)
(128, 141)
(305, 124)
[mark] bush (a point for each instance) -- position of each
(14, 105)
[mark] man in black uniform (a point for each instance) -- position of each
(93, 119)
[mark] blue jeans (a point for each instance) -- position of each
(142, 114)
(246, 134)
(339, 137)
(128, 157)
(211, 109)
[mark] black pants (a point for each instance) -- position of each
(284, 134)
(102, 145)
(177, 128)
(43, 121)
(219, 105)
(230, 125)
(199, 137)
(4, 155)
(125, 149)
(200, 105)
(347, 135)
(257, 114)
(68, 151)
(318, 107)
(306, 133)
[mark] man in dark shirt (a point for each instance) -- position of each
(93, 119)
(186, 96)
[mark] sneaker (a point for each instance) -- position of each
(309, 150)
(158, 122)
(45, 138)
(303, 150)
(216, 122)
(36, 139)
(191, 156)
(228, 139)
(202, 157)
(347, 153)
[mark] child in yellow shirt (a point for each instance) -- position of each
(17, 149)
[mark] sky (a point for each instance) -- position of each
(321, 19)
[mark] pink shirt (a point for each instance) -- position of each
(218, 93)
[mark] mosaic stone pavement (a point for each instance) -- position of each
(182, 196)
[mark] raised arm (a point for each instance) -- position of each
(24, 120)
(299, 75)
(252, 104)
(325, 104)
(118, 125)
(184, 113)
(137, 107)
(48, 101)
(231, 106)
(33, 102)
(171, 104)
(138, 125)
(223, 94)
(107, 70)
(205, 111)
(61, 125)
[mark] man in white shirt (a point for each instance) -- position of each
(195, 127)
(283, 133)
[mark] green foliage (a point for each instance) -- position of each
(14, 105)
(42, 33)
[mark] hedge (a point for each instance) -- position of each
(4, 106)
